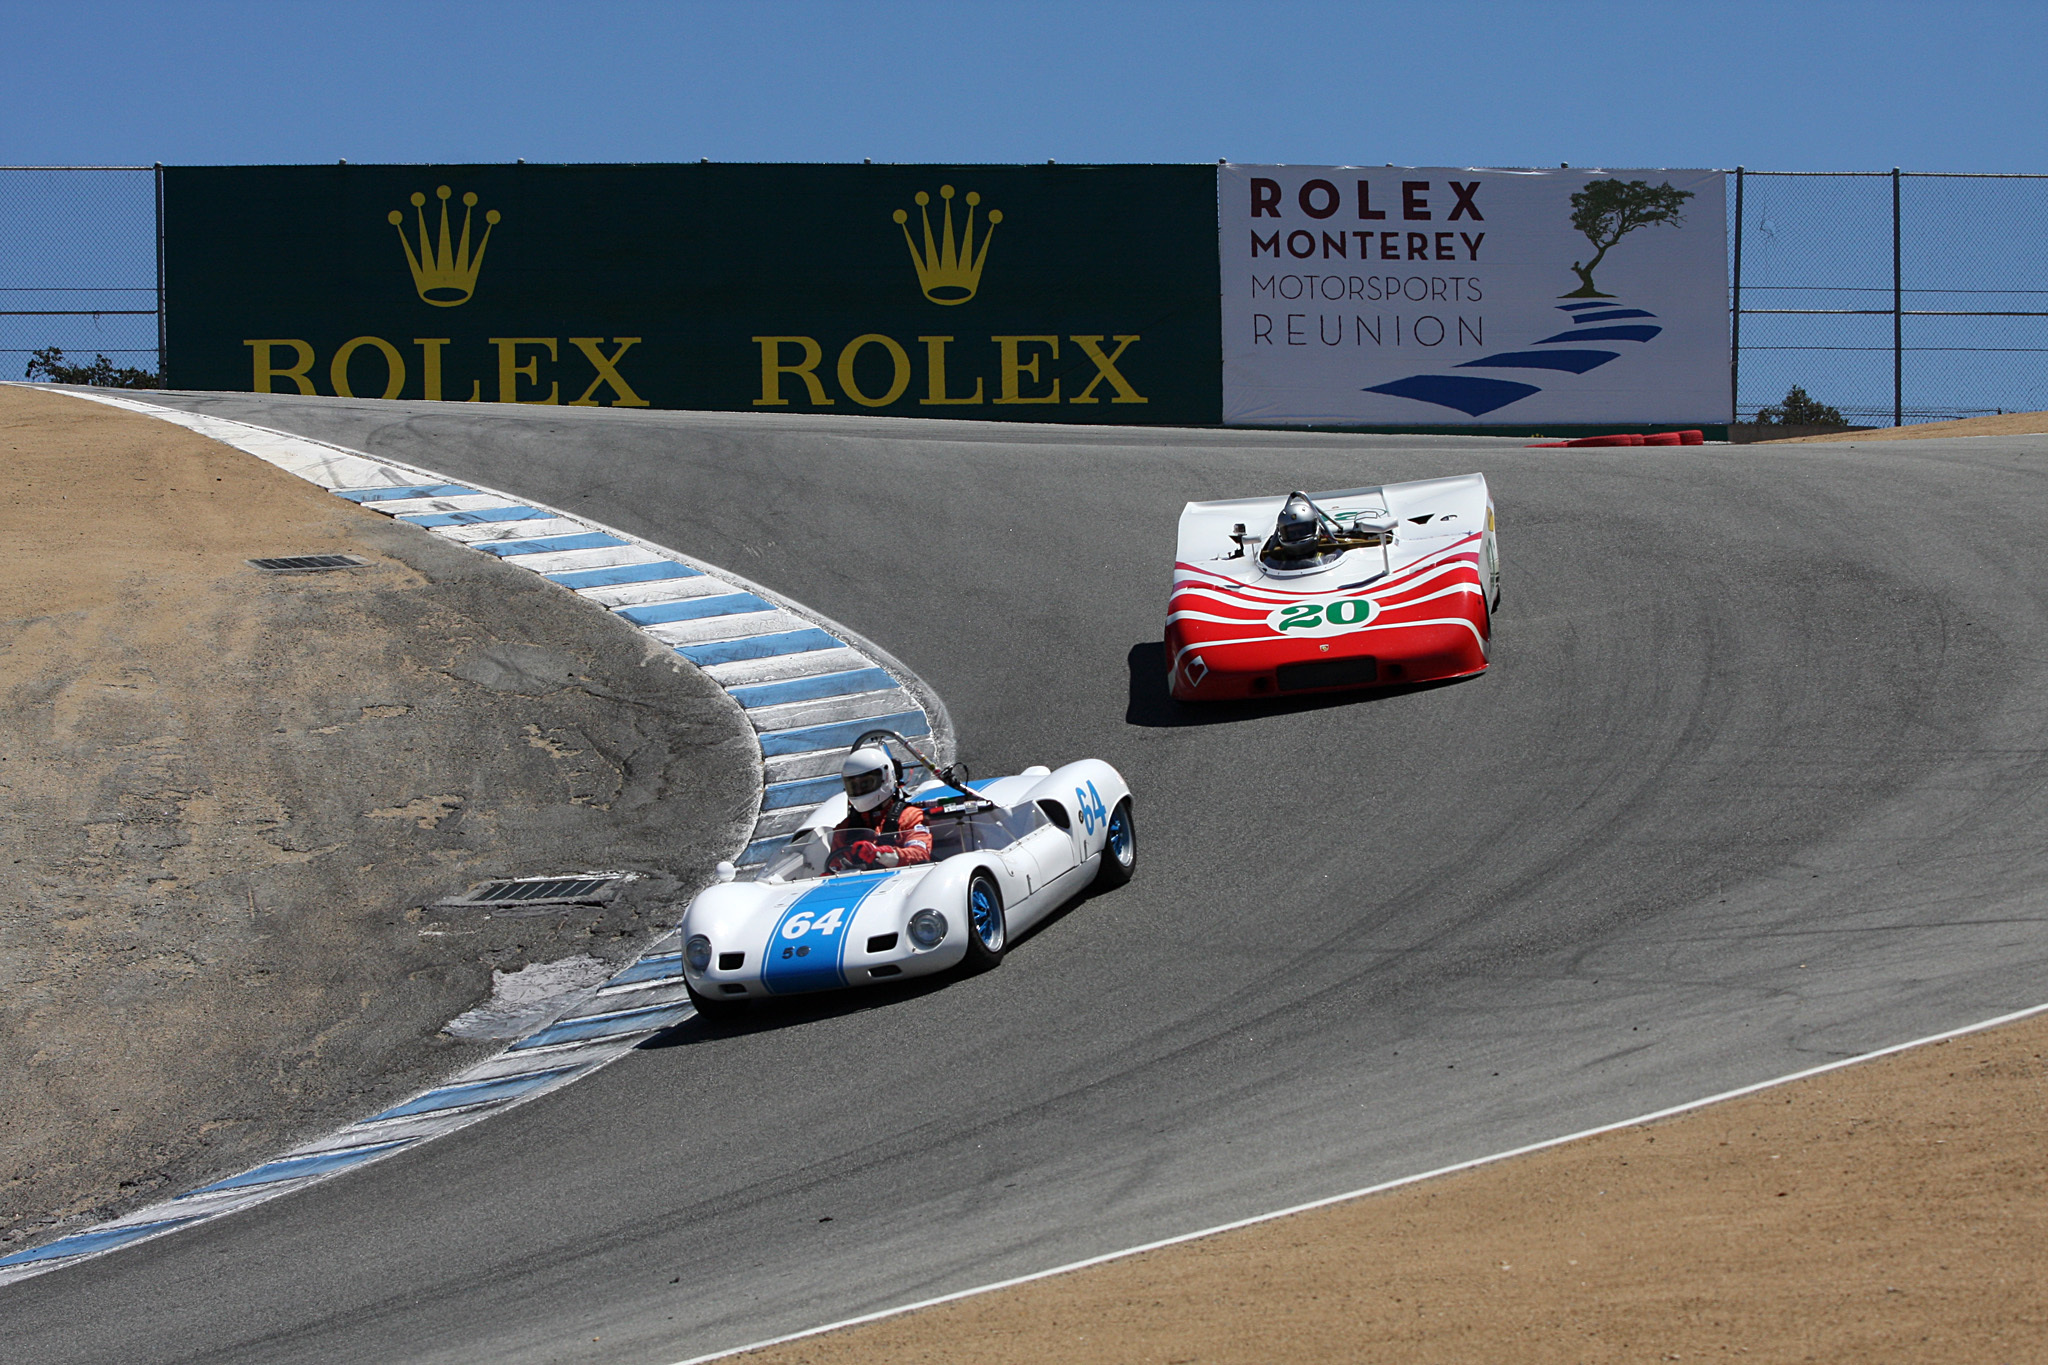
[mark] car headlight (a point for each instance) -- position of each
(927, 928)
(697, 952)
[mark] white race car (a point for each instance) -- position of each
(1005, 852)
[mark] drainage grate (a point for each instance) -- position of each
(309, 563)
(589, 888)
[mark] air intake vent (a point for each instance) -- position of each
(731, 962)
(1327, 673)
(588, 888)
(309, 563)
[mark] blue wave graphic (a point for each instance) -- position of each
(1577, 362)
(1604, 334)
(1468, 394)
(1475, 397)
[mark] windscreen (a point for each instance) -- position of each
(833, 852)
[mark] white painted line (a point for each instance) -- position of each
(735, 627)
(661, 590)
(792, 767)
(407, 507)
(475, 531)
(1381, 1188)
(780, 821)
(783, 667)
(565, 561)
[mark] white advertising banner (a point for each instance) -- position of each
(1432, 296)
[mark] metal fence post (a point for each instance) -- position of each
(162, 369)
(1735, 314)
(1898, 316)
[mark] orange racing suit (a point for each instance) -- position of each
(904, 839)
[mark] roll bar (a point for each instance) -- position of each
(946, 774)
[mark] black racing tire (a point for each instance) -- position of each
(712, 1010)
(988, 930)
(1119, 848)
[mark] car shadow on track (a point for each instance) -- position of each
(762, 1015)
(1152, 705)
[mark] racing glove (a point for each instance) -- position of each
(863, 853)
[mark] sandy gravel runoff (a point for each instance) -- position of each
(2002, 424)
(226, 795)
(1892, 1211)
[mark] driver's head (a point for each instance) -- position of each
(1297, 524)
(870, 778)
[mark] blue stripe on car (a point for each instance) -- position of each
(810, 960)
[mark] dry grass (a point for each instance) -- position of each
(2004, 424)
(1895, 1211)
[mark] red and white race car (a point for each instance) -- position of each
(1314, 592)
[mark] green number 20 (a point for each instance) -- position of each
(1347, 611)
(1301, 616)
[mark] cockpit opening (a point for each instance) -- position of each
(1306, 538)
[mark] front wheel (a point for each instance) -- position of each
(988, 932)
(1119, 848)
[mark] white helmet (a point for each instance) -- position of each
(870, 778)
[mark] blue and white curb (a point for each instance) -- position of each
(807, 685)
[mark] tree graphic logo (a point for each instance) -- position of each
(1608, 210)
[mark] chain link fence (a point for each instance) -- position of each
(1892, 297)
(80, 267)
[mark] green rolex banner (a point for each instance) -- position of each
(1036, 293)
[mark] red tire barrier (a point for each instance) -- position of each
(1693, 437)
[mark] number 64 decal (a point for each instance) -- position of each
(1323, 618)
(801, 923)
(1090, 808)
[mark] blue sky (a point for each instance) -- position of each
(1788, 86)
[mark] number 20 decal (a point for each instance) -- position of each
(1323, 618)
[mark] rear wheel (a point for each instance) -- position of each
(1119, 847)
(988, 932)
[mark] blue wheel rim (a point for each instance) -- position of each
(1120, 836)
(988, 916)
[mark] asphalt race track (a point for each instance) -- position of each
(1757, 781)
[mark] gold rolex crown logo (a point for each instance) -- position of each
(444, 274)
(948, 273)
